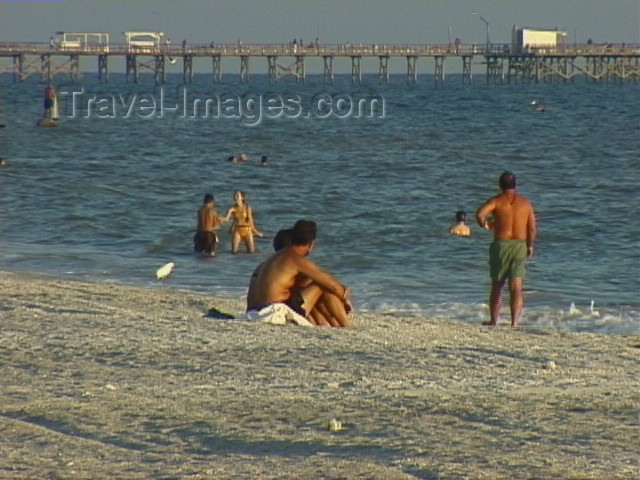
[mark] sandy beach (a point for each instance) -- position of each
(103, 381)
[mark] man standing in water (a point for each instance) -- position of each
(514, 226)
(289, 277)
(205, 239)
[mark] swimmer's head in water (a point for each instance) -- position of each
(303, 232)
(461, 216)
(208, 198)
(507, 181)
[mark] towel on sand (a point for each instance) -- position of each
(215, 313)
(277, 314)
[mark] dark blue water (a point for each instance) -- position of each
(112, 199)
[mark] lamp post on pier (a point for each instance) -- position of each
(486, 23)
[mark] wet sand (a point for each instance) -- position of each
(105, 381)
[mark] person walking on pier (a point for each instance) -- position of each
(513, 220)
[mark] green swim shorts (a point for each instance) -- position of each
(507, 259)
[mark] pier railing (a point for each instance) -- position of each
(8, 49)
(597, 62)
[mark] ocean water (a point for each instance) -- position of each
(112, 199)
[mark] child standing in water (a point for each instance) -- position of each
(243, 227)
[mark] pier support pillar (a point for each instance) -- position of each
(538, 68)
(619, 70)
(553, 73)
(217, 77)
(635, 76)
(514, 69)
(244, 68)
(565, 70)
(466, 70)
(412, 74)
(599, 71)
(74, 67)
(558, 69)
(534, 71)
(45, 67)
(328, 69)
(18, 64)
(523, 69)
(609, 69)
(573, 69)
(495, 69)
(590, 70)
(300, 73)
(158, 72)
(383, 70)
(544, 64)
(187, 69)
(103, 70)
(439, 72)
(622, 69)
(630, 69)
(272, 65)
(356, 73)
(132, 68)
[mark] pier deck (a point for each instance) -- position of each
(604, 62)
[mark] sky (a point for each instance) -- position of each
(336, 21)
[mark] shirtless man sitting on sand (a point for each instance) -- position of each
(514, 230)
(289, 277)
(328, 309)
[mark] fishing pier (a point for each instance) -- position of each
(614, 63)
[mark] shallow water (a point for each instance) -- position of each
(113, 199)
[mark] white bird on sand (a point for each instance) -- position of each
(165, 270)
(594, 313)
(573, 310)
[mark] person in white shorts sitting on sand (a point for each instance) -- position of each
(278, 281)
